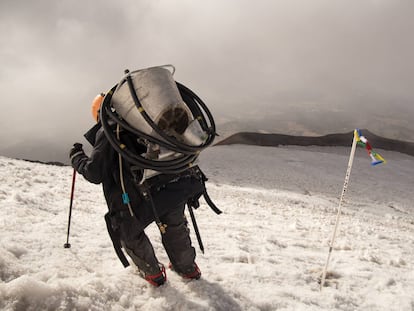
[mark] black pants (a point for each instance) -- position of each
(176, 241)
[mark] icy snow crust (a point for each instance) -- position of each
(265, 252)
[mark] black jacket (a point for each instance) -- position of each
(103, 167)
(167, 191)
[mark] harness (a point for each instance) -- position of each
(150, 188)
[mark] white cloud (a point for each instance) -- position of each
(234, 54)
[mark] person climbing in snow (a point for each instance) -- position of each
(134, 200)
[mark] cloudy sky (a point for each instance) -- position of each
(243, 58)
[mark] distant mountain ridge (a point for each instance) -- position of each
(339, 139)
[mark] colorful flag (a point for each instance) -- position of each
(362, 141)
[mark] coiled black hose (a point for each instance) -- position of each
(187, 154)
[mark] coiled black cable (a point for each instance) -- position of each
(186, 154)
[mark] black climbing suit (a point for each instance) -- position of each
(170, 194)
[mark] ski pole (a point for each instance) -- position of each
(348, 173)
(67, 244)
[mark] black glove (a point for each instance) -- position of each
(76, 150)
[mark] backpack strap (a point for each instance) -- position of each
(207, 198)
(116, 241)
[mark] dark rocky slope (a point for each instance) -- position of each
(341, 139)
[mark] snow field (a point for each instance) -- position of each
(265, 252)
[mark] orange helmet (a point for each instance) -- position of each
(96, 105)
